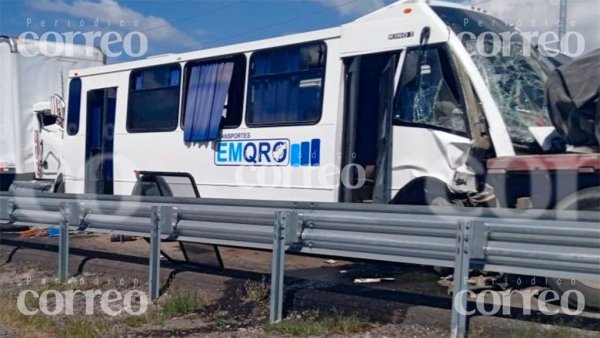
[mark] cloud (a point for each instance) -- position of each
(583, 16)
(353, 7)
(541, 16)
(157, 29)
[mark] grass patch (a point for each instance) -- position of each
(67, 326)
(25, 326)
(152, 316)
(83, 327)
(136, 321)
(61, 326)
(220, 324)
(312, 324)
(181, 303)
(174, 304)
(535, 331)
(255, 292)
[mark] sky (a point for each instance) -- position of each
(542, 15)
(173, 26)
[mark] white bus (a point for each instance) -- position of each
(396, 105)
(412, 104)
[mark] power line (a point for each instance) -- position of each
(194, 16)
(562, 21)
(296, 18)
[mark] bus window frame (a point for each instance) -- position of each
(185, 80)
(131, 75)
(323, 83)
(445, 49)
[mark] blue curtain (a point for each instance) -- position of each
(206, 94)
(282, 61)
(275, 100)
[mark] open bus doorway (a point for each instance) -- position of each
(101, 105)
(367, 146)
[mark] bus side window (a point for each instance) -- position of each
(154, 99)
(213, 97)
(430, 96)
(286, 85)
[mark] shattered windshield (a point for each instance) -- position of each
(508, 65)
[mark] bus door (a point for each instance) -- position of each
(370, 82)
(405, 118)
(101, 105)
(431, 133)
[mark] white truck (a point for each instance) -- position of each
(34, 79)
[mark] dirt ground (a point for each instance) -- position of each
(322, 295)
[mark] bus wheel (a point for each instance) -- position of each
(59, 185)
(424, 191)
(585, 200)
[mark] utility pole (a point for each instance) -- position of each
(562, 23)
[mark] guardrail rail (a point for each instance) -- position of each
(537, 243)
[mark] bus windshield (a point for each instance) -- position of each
(510, 67)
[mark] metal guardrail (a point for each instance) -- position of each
(539, 243)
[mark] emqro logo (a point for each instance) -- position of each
(268, 152)
(110, 302)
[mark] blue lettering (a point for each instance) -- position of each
(279, 152)
(235, 152)
(250, 156)
(263, 149)
(221, 151)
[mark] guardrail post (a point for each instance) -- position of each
(72, 215)
(154, 274)
(283, 220)
(461, 279)
(63, 244)
(6, 209)
(164, 221)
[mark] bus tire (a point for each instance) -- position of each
(152, 186)
(59, 185)
(148, 186)
(585, 200)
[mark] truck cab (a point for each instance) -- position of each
(32, 92)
